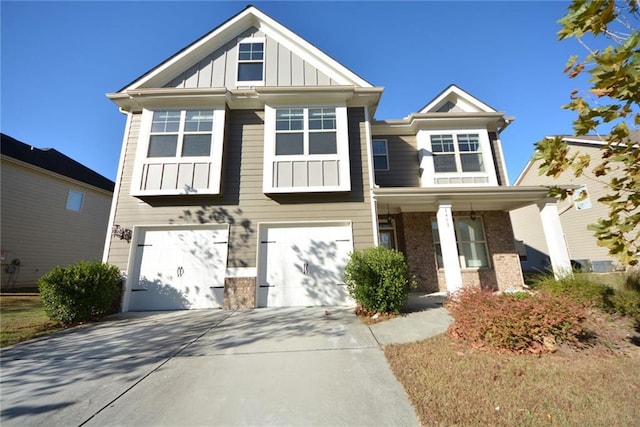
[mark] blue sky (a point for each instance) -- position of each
(59, 59)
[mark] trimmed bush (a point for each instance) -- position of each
(515, 323)
(378, 280)
(80, 292)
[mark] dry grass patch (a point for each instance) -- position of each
(450, 383)
(22, 317)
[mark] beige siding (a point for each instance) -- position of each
(404, 168)
(281, 67)
(243, 204)
(580, 241)
(37, 228)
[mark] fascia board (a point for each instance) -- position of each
(416, 122)
(55, 175)
(223, 33)
(135, 100)
(308, 52)
(461, 93)
(209, 43)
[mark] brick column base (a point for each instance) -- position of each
(239, 292)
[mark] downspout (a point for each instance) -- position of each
(374, 212)
(507, 122)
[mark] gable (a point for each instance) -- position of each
(211, 61)
(455, 100)
(282, 67)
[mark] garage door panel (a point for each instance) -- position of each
(180, 269)
(303, 265)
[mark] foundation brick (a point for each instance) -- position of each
(239, 292)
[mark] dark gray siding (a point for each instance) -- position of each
(404, 168)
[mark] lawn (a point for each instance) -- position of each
(21, 318)
(450, 383)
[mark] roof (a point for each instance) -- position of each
(456, 90)
(249, 16)
(593, 140)
(54, 161)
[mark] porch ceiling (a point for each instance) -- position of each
(462, 198)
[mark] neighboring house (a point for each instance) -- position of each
(54, 211)
(252, 166)
(576, 213)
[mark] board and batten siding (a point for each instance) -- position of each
(581, 242)
(243, 204)
(37, 228)
(404, 167)
(282, 67)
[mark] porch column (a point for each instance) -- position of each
(450, 261)
(554, 235)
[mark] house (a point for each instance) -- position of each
(54, 211)
(252, 165)
(576, 212)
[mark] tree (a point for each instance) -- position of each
(610, 109)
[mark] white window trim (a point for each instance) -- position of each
(429, 175)
(386, 153)
(262, 40)
(215, 158)
(461, 259)
(342, 146)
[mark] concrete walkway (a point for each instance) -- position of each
(294, 366)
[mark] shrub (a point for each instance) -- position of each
(80, 292)
(378, 279)
(626, 303)
(577, 287)
(515, 323)
(632, 280)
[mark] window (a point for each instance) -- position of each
(380, 155)
(387, 234)
(251, 60)
(463, 156)
(306, 149)
(179, 152)
(305, 131)
(187, 132)
(472, 247)
(74, 200)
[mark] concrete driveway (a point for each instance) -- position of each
(293, 366)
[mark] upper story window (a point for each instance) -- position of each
(456, 157)
(185, 133)
(306, 149)
(251, 61)
(306, 131)
(74, 200)
(472, 246)
(465, 155)
(179, 152)
(380, 155)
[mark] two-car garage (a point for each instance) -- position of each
(297, 264)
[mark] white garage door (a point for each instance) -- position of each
(179, 269)
(303, 265)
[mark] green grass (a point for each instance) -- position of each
(22, 318)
